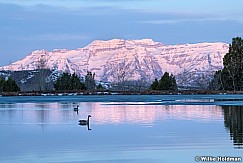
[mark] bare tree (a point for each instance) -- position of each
(184, 78)
(122, 75)
(220, 80)
(41, 66)
(90, 80)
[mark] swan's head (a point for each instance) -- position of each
(89, 115)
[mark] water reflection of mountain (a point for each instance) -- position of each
(148, 114)
(233, 120)
(53, 113)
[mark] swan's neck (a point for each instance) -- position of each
(88, 120)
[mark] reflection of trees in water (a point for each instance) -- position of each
(46, 113)
(233, 120)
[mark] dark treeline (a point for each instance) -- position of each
(231, 76)
(69, 82)
(8, 85)
(167, 82)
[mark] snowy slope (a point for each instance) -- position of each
(117, 59)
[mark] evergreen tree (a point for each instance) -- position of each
(8, 85)
(99, 87)
(76, 84)
(1, 84)
(164, 83)
(154, 85)
(69, 82)
(173, 85)
(167, 82)
(231, 76)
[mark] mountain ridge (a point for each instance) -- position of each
(119, 60)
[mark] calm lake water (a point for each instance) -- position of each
(162, 128)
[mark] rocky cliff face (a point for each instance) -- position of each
(120, 60)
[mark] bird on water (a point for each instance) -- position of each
(84, 122)
(76, 108)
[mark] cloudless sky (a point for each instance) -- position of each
(28, 25)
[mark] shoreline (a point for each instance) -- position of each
(148, 92)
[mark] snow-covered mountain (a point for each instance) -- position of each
(120, 60)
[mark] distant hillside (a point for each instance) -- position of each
(29, 80)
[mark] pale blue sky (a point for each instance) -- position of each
(28, 25)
